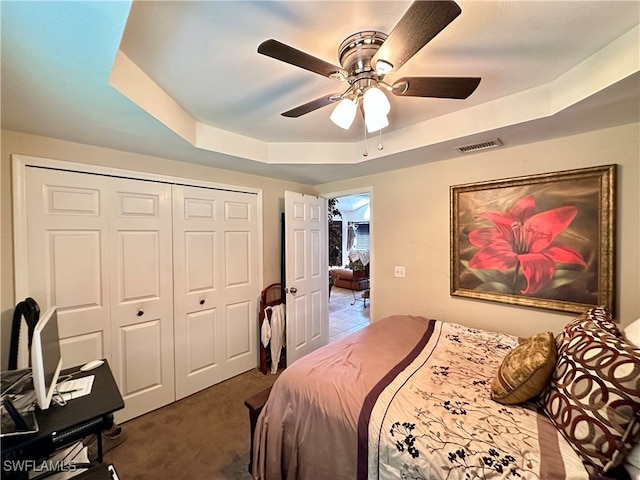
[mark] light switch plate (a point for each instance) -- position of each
(400, 271)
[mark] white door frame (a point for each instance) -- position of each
(357, 191)
(20, 164)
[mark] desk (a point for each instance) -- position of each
(62, 426)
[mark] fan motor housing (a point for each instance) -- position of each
(356, 51)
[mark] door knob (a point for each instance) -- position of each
(293, 290)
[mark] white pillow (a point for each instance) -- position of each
(632, 332)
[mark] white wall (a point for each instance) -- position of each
(417, 199)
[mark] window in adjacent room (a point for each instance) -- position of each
(361, 230)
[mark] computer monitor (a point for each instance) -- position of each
(46, 359)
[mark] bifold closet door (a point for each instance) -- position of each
(215, 285)
(142, 295)
(68, 261)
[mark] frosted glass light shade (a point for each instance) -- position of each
(376, 102)
(376, 108)
(344, 113)
(375, 122)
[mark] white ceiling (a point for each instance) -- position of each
(352, 202)
(189, 85)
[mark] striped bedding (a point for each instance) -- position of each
(407, 397)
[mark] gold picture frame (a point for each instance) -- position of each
(544, 241)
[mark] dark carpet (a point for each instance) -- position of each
(202, 437)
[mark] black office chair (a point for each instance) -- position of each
(30, 311)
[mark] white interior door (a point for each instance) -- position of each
(142, 295)
(307, 271)
(67, 241)
(216, 285)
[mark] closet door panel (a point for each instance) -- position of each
(198, 269)
(215, 243)
(75, 350)
(241, 292)
(201, 340)
(239, 319)
(139, 265)
(75, 284)
(238, 255)
(141, 351)
(67, 241)
(142, 295)
(239, 316)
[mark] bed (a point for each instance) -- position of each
(410, 397)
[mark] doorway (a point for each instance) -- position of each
(349, 263)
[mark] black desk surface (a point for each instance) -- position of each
(104, 399)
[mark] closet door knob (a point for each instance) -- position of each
(202, 301)
(140, 313)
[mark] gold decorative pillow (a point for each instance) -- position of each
(526, 370)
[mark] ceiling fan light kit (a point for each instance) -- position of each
(383, 67)
(376, 102)
(376, 122)
(366, 57)
(376, 108)
(344, 113)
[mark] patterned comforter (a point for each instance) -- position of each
(408, 398)
(435, 419)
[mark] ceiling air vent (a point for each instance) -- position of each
(474, 147)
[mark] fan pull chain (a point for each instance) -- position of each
(364, 152)
(380, 146)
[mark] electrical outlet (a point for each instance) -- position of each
(400, 271)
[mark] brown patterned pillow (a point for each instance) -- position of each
(525, 371)
(594, 394)
(594, 319)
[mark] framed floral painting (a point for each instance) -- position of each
(545, 241)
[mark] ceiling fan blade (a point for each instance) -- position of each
(312, 105)
(278, 50)
(420, 23)
(437, 87)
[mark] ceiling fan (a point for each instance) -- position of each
(366, 57)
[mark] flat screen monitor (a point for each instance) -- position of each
(46, 360)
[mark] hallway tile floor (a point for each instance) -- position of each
(345, 318)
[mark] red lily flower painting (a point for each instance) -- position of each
(544, 241)
(525, 240)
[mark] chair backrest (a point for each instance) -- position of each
(30, 311)
(271, 295)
